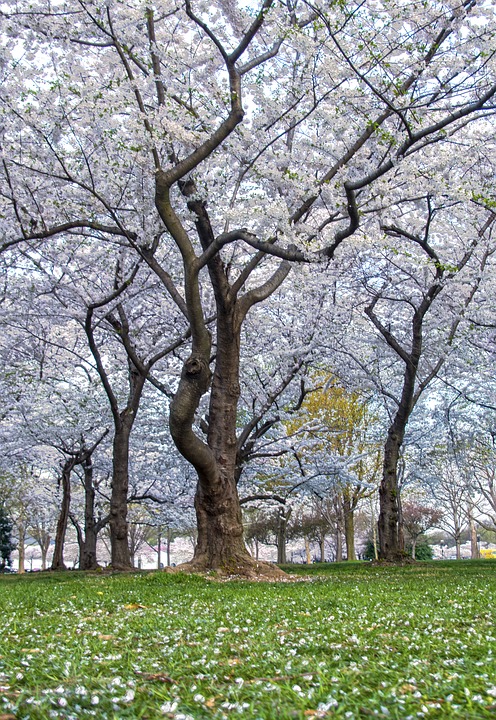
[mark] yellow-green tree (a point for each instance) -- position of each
(337, 422)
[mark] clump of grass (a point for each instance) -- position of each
(353, 641)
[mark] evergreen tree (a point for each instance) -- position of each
(6, 543)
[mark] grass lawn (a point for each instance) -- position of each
(350, 641)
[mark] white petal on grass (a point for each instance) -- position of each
(168, 707)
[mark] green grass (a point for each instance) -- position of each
(352, 641)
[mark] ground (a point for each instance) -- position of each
(348, 641)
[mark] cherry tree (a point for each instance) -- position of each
(417, 519)
(222, 144)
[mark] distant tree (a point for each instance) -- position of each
(334, 422)
(257, 530)
(417, 519)
(6, 543)
(19, 497)
(40, 529)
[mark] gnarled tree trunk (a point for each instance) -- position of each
(220, 542)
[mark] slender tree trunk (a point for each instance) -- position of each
(414, 547)
(168, 546)
(391, 538)
(58, 551)
(43, 539)
(474, 545)
(159, 549)
(281, 536)
(339, 545)
(21, 528)
(44, 553)
(349, 529)
(458, 549)
(308, 554)
(88, 559)
(374, 530)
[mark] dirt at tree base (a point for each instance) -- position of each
(242, 569)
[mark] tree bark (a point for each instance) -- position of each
(87, 555)
(388, 523)
(220, 542)
(220, 527)
(349, 529)
(339, 546)
(308, 554)
(119, 545)
(282, 525)
(474, 545)
(44, 553)
(21, 528)
(123, 424)
(65, 481)
(391, 542)
(322, 548)
(42, 537)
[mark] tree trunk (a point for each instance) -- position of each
(474, 545)
(44, 553)
(339, 545)
(58, 551)
(21, 528)
(349, 529)
(168, 546)
(88, 559)
(119, 545)
(87, 556)
(414, 546)
(281, 537)
(220, 525)
(220, 543)
(458, 549)
(308, 554)
(42, 537)
(388, 524)
(391, 538)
